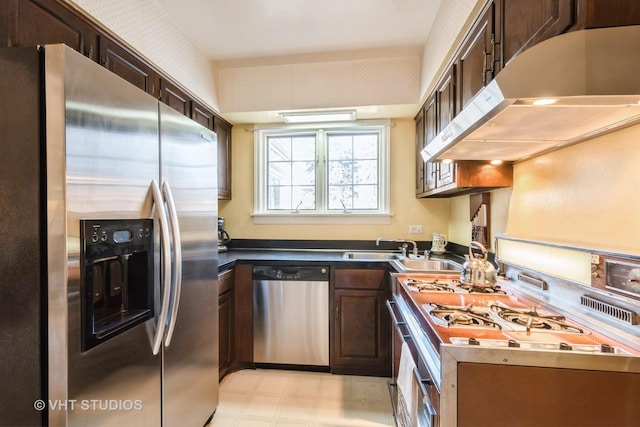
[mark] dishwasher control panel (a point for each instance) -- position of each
(270, 272)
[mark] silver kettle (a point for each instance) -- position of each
(477, 270)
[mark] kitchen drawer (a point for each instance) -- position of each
(347, 278)
(225, 281)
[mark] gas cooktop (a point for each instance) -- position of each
(499, 316)
(448, 284)
(495, 317)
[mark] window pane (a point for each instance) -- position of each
(304, 148)
(340, 147)
(279, 173)
(306, 195)
(365, 197)
(340, 172)
(353, 171)
(303, 173)
(291, 172)
(339, 194)
(279, 197)
(365, 146)
(279, 149)
(365, 172)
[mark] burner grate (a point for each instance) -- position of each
(610, 310)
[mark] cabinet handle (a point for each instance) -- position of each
(425, 400)
(493, 53)
(394, 319)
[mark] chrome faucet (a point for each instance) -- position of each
(402, 248)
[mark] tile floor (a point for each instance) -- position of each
(276, 398)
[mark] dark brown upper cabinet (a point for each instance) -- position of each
(39, 22)
(202, 115)
(475, 60)
(524, 23)
(127, 65)
(223, 130)
(175, 97)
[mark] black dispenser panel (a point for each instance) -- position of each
(117, 277)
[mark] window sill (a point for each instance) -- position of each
(304, 218)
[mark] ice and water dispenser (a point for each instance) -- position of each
(116, 277)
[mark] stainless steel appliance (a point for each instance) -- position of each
(291, 315)
(223, 236)
(513, 354)
(108, 308)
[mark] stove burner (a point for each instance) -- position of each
(462, 316)
(531, 319)
(432, 285)
(468, 287)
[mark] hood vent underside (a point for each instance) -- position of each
(590, 77)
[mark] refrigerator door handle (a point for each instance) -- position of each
(166, 266)
(177, 270)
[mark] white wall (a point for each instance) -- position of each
(143, 25)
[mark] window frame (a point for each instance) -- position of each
(322, 215)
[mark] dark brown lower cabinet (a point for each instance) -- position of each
(360, 324)
(243, 317)
(225, 321)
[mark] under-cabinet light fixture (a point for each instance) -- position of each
(318, 116)
(545, 101)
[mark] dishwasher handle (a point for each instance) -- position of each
(291, 273)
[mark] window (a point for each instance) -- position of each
(320, 174)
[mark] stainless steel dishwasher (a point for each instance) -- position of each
(291, 315)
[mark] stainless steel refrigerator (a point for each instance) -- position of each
(108, 250)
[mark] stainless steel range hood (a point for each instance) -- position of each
(593, 76)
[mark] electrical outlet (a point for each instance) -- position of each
(415, 229)
(595, 259)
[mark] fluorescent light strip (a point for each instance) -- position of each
(319, 116)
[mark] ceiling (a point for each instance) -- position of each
(250, 29)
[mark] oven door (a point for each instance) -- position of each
(427, 393)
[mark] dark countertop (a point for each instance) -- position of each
(307, 252)
(227, 260)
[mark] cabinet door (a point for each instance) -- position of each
(608, 13)
(361, 334)
(39, 22)
(474, 64)
(226, 328)
(225, 331)
(223, 130)
(446, 174)
(430, 131)
(420, 141)
(243, 316)
(130, 67)
(175, 97)
(360, 323)
(446, 100)
(202, 115)
(525, 23)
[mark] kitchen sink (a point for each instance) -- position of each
(372, 255)
(408, 264)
